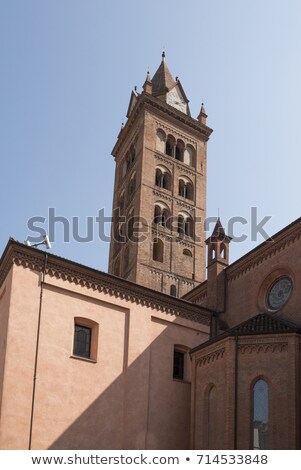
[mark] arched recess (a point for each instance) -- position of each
(189, 155)
(130, 223)
(173, 290)
(126, 259)
(211, 419)
(158, 250)
(187, 252)
(132, 185)
(160, 140)
(117, 267)
(121, 201)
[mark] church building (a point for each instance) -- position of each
(174, 348)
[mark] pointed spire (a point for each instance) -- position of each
(148, 86)
(218, 230)
(218, 233)
(162, 80)
(202, 116)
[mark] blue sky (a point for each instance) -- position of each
(67, 70)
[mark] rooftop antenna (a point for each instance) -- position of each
(45, 242)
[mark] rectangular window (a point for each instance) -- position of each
(178, 365)
(82, 341)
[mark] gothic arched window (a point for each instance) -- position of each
(260, 415)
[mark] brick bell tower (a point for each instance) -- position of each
(159, 206)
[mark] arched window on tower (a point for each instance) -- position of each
(223, 251)
(260, 415)
(170, 146)
(179, 152)
(132, 185)
(185, 224)
(117, 267)
(163, 178)
(130, 223)
(160, 141)
(185, 188)
(161, 215)
(158, 250)
(121, 201)
(189, 155)
(126, 259)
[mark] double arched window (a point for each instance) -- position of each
(161, 215)
(185, 224)
(163, 178)
(175, 148)
(185, 188)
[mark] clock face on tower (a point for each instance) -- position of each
(175, 99)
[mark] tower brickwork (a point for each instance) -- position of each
(159, 205)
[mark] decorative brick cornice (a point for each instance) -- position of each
(268, 249)
(211, 356)
(166, 161)
(31, 258)
(185, 205)
(162, 195)
(160, 232)
(263, 348)
(175, 132)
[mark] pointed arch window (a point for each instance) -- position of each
(260, 415)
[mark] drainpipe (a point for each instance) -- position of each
(37, 352)
(235, 391)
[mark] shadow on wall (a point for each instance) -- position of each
(144, 408)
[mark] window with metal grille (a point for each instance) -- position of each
(178, 365)
(82, 341)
